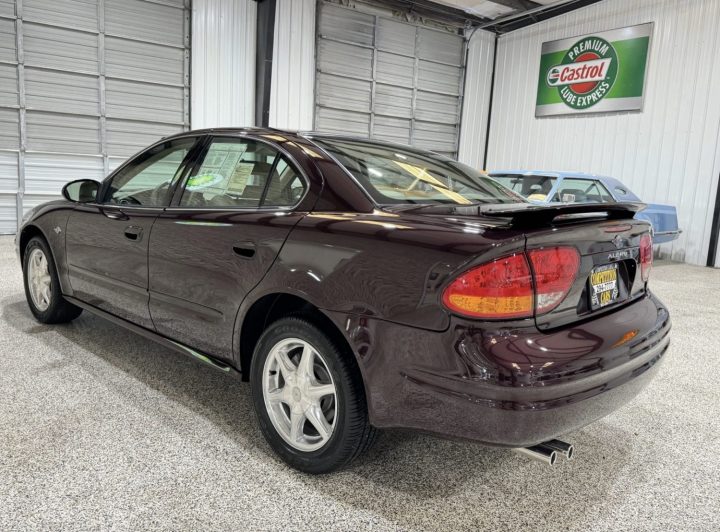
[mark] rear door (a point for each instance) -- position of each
(227, 223)
(107, 241)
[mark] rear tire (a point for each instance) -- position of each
(312, 411)
(42, 285)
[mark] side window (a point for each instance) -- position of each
(146, 180)
(242, 173)
(233, 173)
(604, 192)
(573, 190)
(285, 188)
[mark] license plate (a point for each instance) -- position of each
(604, 288)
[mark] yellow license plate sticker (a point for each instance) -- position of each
(604, 285)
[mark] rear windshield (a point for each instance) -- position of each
(393, 174)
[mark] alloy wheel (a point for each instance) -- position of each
(39, 281)
(299, 394)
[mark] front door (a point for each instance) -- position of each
(107, 241)
(218, 239)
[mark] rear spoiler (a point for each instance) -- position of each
(534, 215)
(529, 215)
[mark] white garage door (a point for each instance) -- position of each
(83, 85)
(385, 78)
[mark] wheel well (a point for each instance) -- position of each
(273, 307)
(27, 233)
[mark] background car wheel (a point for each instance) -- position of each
(42, 286)
(309, 397)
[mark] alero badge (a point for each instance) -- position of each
(586, 73)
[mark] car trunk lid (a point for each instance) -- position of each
(606, 237)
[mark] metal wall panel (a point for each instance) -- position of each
(92, 79)
(160, 64)
(476, 101)
(9, 83)
(50, 90)
(223, 62)
(8, 191)
(45, 174)
(382, 77)
(126, 137)
(9, 129)
(7, 41)
(8, 172)
(343, 93)
(7, 8)
(293, 68)
(60, 48)
(79, 14)
(58, 133)
(349, 25)
(396, 37)
(667, 153)
(135, 100)
(145, 21)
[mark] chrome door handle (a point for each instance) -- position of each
(115, 215)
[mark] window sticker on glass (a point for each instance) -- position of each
(203, 181)
(240, 177)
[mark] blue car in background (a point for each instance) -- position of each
(578, 187)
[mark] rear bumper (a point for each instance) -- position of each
(509, 386)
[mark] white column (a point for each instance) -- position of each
(223, 63)
(293, 70)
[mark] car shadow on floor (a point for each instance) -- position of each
(398, 478)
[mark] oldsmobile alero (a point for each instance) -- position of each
(359, 285)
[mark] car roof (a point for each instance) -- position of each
(275, 131)
(301, 134)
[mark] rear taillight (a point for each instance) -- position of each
(503, 288)
(646, 256)
(499, 289)
(555, 270)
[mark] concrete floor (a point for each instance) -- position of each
(101, 429)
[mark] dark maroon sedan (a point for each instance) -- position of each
(358, 285)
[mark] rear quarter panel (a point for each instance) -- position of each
(383, 265)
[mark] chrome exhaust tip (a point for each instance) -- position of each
(566, 449)
(541, 453)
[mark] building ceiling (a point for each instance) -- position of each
(494, 9)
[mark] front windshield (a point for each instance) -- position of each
(532, 187)
(393, 174)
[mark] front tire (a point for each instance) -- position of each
(42, 286)
(308, 397)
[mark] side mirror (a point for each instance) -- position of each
(81, 191)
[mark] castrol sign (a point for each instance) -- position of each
(594, 73)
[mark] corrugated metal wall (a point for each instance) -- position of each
(85, 83)
(476, 101)
(668, 153)
(293, 71)
(382, 77)
(223, 63)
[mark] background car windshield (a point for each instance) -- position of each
(392, 174)
(532, 187)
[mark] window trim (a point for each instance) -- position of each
(105, 184)
(175, 206)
